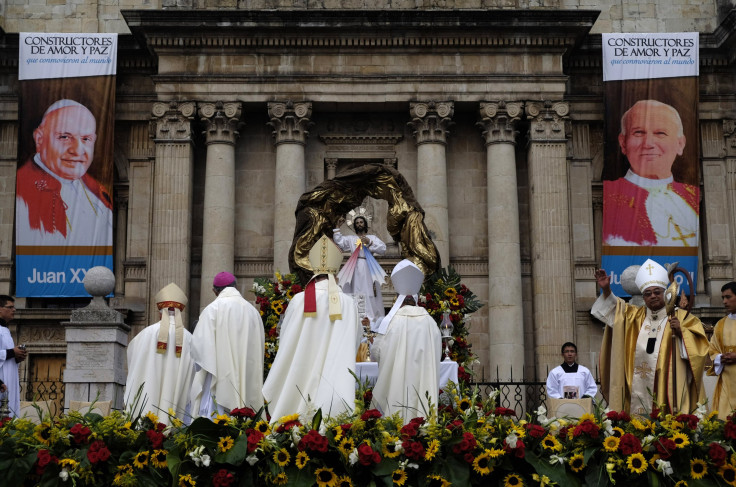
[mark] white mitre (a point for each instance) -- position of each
(651, 274)
(407, 279)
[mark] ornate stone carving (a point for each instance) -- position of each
(172, 121)
(391, 162)
(498, 120)
(729, 133)
(549, 121)
(221, 121)
(430, 121)
(290, 121)
(331, 165)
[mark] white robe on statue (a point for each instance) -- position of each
(362, 283)
(228, 344)
(165, 378)
(9, 371)
(575, 384)
(408, 358)
(314, 359)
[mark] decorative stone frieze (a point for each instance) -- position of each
(548, 120)
(430, 121)
(172, 120)
(290, 121)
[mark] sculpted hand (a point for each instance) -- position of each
(340, 222)
(366, 241)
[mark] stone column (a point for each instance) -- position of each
(430, 121)
(96, 338)
(551, 234)
(171, 226)
(222, 121)
(121, 239)
(331, 165)
(505, 314)
(290, 122)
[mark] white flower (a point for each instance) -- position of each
(398, 446)
(295, 437)
(541, 411)
(64, 475)
(702, 410)
(664, 467)
(511, 440)
(251, 459)
(608, 425)
(557, 459)
(206, 460)
(412, 465)
(353, 457)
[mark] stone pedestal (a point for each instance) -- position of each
(96, 339)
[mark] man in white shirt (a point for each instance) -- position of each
(570, 380)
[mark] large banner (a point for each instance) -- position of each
(651, 193)
(63, 205)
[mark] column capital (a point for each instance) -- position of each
(290, 121)
(548, 120)
(430, 120)
(729, 134)
(221, 121)
(498, 121)
(172, 121)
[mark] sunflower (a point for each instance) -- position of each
(277, 306)
(681, 440)
(280, 479)
(618, 432)
(141, 459)
(587, 417)
(455, 302)
(728, 474)
(638, 424)
(611, 444)
(432, 448)
(222, 419)
(281, 457)
(437, 481)
(450, 292)
(325, 477)
(158, 459)
(481, 463)
(338, 432)
(42, 433)
(576, 462)
(399, 477)
(68, 463)
(550, 443)
(681, 483)
(698, 468)
(512, 480)
(637, 463)
(288, 419)
(152, 417)
(347, 445)
(496, 452)
(225, 443)
(186, 481)
(344, 481)
(389, 447)
(263, 427)
(463, 403)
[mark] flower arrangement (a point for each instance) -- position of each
(272, 299)
(441, 292)
(467, 441)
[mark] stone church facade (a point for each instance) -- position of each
(228, 110)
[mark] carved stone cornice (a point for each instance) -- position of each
(221, 121)
(498, 121)
(729, 133)
(172, 121)
(290, 121)
(548, 120)
(430, 121)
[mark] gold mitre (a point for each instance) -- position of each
(171, 296)
(325, 257)
(651, 274)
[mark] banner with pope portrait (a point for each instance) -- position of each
(651, 193)
(63, 205)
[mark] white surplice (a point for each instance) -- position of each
(314, 359)
(228, 344)
(9, 371)
(408, 358)
(165, 378)
(580, 382)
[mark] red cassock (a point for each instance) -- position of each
(625, 212)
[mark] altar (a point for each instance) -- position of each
(368, 372)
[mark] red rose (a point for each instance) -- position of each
(367, 456)
(409, 431)
(629, 444)
(729, 430)
(665, 447)
(535, 431)
(370, 414)
(689, 419)
(287, 426)
(717, 454)
(98, 452)
(80, 433)
(296, 289)
(313, 441)
(519, 451)
(45, 457)
(254, 437)
(223, 478)
(414, 450)
(156, 438)
(467, 444)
